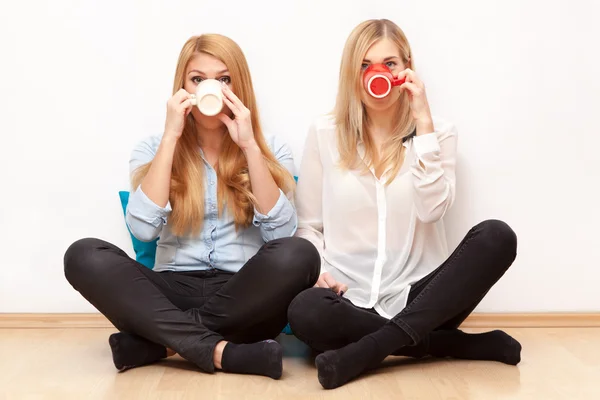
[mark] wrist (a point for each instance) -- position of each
(170, 138)
(424, 125)
(250, 148)
(424, 119)
(168, 145)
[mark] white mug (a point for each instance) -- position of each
(209, 97)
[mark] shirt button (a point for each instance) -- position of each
(212, 182)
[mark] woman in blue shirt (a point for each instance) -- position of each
(217, 194)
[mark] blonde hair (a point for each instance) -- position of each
(187, 176)
(350, 116)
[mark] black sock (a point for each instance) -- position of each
(262, 358)
(419, 350)
(130, 351)
(492, 346)
(336, 367)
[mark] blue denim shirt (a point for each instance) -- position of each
(218, 246)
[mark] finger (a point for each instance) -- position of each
(224, 118)
(235, 104)
(404, 74)
(401, 75)
(321, 283)
(340, 288)
(343, 289)
(234, 109)
(232, 97)
(330, 281)
(181, 95)
(187, 105)
(411, 76)
(179, 98)
(408, 74)
(411, 88)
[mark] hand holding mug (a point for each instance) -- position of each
(240, 128)
(416, 94)
(178, 107)
(210, 97)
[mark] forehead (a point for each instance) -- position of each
(382, 49)
(205, 63)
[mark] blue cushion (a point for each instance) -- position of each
(145, 252)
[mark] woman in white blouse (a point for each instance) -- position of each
(376, 179)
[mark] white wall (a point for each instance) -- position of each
(82, 81)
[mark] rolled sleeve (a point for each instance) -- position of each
(280, 221)
(426, 144)
(144, 218)
(144, 209)
(434, 172)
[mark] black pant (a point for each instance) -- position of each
(190, 312)
(440, 301)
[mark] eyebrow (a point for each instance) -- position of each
(202, 73)
(384, 60)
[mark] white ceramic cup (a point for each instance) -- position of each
(209, 97)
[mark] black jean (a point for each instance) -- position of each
(190, 312)
(440, 301)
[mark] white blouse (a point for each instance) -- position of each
(377, 239)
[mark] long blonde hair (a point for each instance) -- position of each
(187, 176)
(350, 115)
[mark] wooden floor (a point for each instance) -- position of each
(558, 363)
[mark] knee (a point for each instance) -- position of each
(297, 260)
(499, 239)
(308, 311)
(82, 260)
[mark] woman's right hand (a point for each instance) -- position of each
(178, 107)
(327, 281)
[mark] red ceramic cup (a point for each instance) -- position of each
(378, 80)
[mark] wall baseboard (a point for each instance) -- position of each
(476, 320)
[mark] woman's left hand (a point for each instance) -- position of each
(240, 128)
(416, 94)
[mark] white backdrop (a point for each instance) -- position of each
(82, 81)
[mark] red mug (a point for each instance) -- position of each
(378, 80)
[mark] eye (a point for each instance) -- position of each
(197, 79)
(391, 64)
(364, 66)
(225, 79)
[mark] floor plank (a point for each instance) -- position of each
(558, 363)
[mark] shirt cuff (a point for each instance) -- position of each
(141, 207)
(281, 213)
(425, 144)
